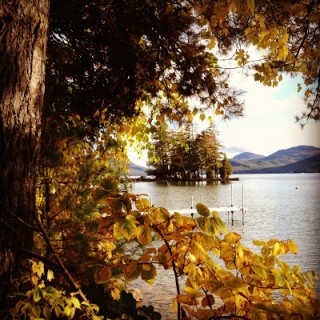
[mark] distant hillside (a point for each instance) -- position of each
(296, 159)
(308, 165)
(247, 156)
(136, 170)
(294, 154)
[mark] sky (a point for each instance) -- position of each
(268, 124)
(269, 121)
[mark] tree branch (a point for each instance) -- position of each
(65, 271)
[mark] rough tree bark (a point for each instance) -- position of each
(23, 40)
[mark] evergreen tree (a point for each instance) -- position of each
(226, 168)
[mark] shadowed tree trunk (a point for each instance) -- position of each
(23, 39)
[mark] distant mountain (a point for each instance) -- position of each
(296, 159)
(308, 165)
(294, 154)
(247, 156)
(136, 170)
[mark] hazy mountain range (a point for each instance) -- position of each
(296, 159)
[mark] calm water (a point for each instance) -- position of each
(281, 206)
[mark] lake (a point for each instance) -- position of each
(281, 206)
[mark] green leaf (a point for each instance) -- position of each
(125, 228)
(109, 184)
(202, 210)
(67, 310)
(36, 294)
(46, 312)
(75, 302)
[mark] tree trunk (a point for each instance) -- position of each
(23, 40)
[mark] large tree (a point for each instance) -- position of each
(23, 39)
(107, 58)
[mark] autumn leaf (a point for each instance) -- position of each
(193, 292)
(133, 270)
(187, 299)
(232, 237)
(143, 204)
(208, 301)
(293, 247)
(144, 235)
(148, 273)
(125, 228)
(104, 275)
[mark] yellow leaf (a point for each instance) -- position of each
(115, 293)
(271, 242)
(199, 250)
(189, 116)
(285, 52)
(175, 305)
(192, 257)
(212, 43)
(75, 302)
(37, 268)
(211, 285)
(260, 271)
(193, 292)
(232, 237)
(144, 235)
(125, 228)
(259, 243)
(276, 249)
(227, 253)
(50, 275)
(235, 283)
(143, 204)
(159, 215)
(293, 247)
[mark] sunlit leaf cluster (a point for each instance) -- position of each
(219, 276)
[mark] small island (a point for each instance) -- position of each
(184, 155)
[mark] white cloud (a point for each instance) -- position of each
(269, 123)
